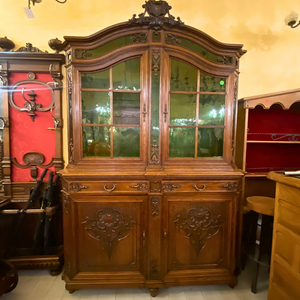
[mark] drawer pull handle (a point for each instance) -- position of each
(109, 190)
(165, 234)
(204, 187)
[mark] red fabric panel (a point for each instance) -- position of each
(274, 120)
(27, 136)
(272, 157)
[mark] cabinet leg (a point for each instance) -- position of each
(254, 278)
(233, 284)
(55, 272)
(243, 260)
(153, 292)
(70, 290)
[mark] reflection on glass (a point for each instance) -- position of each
(211, 109)
(199, 50)
(212, 84)
(126, 141)
(183, 76)
(126, 76)
(95, 107)
(182, 109)
(210, 142)
(126, 108)
(182, 142)
(96, 141)
(98, 80)
(110, 46)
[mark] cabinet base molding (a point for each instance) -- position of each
(92, 281)
(52, 262)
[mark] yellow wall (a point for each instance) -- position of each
(271, 64)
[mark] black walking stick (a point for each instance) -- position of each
(41, 223)
(35, 194)
(48, 214)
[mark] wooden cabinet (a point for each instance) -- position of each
(268, 136)
(285, 266)
(151, 194)
(30, 106)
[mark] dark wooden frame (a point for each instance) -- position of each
(165, 182)
(15, 194)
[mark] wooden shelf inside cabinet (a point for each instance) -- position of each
(268, 138)
(259, 174)
(272, 142)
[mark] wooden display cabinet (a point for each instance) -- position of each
(151, 193)
(30, 105)
(268, 139)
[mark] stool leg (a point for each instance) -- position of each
(256, 252)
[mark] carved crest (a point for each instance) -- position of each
(154, 159)
(230, 186)
(82, 53)
(198, 224)
(156, 62)
(169, 186)
(29, 48)
(154, 273)
(108, 226)
(141, 186)
(71, 151)
(77, 187)
(155, 15)
(155, 205)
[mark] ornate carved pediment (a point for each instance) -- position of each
(29, 48)
(155, 15)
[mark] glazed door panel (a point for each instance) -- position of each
(201, 232)
(110, 234)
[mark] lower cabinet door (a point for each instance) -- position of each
(200, 238)
(108, 239)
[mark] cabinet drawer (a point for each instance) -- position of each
(108, 187)
(199, 186)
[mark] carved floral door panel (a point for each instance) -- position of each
(201, 231)
(111, 234)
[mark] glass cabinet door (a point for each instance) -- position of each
(197, 106)
(111, 111)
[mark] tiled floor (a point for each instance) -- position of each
(40, 285)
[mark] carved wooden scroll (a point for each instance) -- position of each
(108, 226)
(198, 224)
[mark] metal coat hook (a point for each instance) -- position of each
(28, 101)
(4, 124)
(30, 104)
(54, 82)
(55, 121)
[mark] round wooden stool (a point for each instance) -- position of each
(264, 209)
